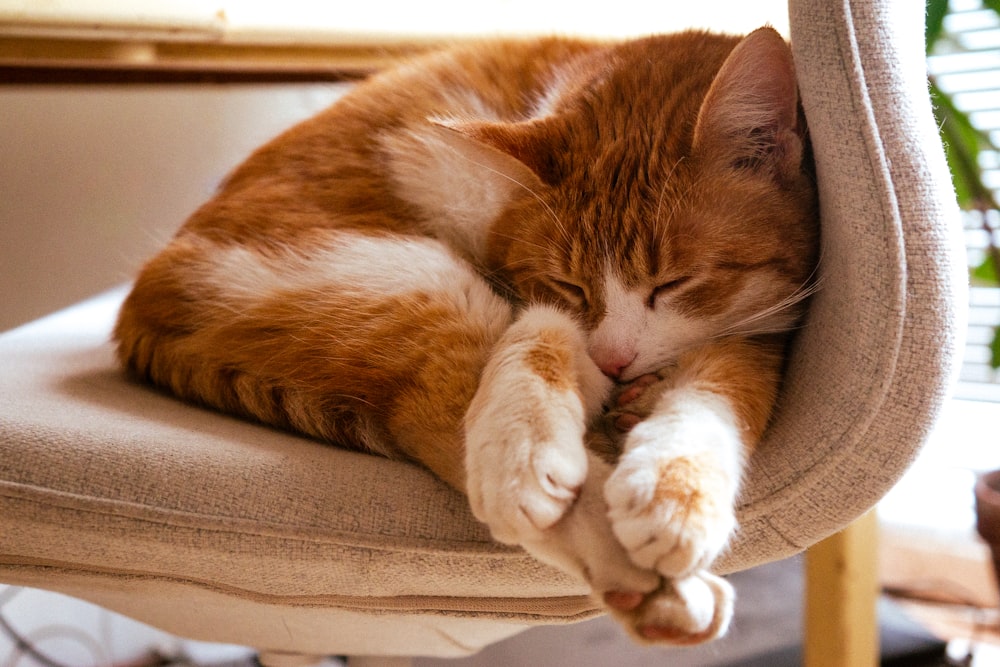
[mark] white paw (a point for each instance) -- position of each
(582, 544)
(685, 611)
(525, 460)
(670, 500)
(524, 429)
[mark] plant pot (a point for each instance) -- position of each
(988, 514)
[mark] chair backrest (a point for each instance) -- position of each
(879, 351)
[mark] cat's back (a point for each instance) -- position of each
(491, 80)
(331, 169)
(334, 160)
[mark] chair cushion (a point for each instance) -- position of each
(117, 493)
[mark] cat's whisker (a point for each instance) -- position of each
(548, 209)
(683, 197)
(667, 182)
(796, 297)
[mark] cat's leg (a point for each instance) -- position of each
(524, 452)
(673, 492)
(533, 483)
(650, 607)
(372, 341)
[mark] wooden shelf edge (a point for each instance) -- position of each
(26, 59)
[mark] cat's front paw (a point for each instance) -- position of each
(686, 611)
(524, 428)
(671, 507)
(525, 461)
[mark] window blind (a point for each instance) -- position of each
(966, 65)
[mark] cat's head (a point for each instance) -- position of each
(664, 197)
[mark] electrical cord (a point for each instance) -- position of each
(24, 645)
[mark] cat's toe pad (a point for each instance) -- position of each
(633, 402)
(635, 389)
(685, 611)
(623, 600)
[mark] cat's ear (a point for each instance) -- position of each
(519, 150)
(749, 118)
(460, 174)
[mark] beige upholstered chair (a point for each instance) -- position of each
(221, 530)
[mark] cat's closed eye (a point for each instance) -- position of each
(665, 288)
(572, 292)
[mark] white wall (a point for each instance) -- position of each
(94, 179)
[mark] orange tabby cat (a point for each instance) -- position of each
(471, 259)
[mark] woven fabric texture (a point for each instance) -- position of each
(878, 352)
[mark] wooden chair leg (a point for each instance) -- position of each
(841, 624)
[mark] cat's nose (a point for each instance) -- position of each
(613, 371)
(614, 366)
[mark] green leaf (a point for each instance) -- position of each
(962, 143)
(963, 193)
(993, 4)
(995, 349)
(934, 21)
(986, 273)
